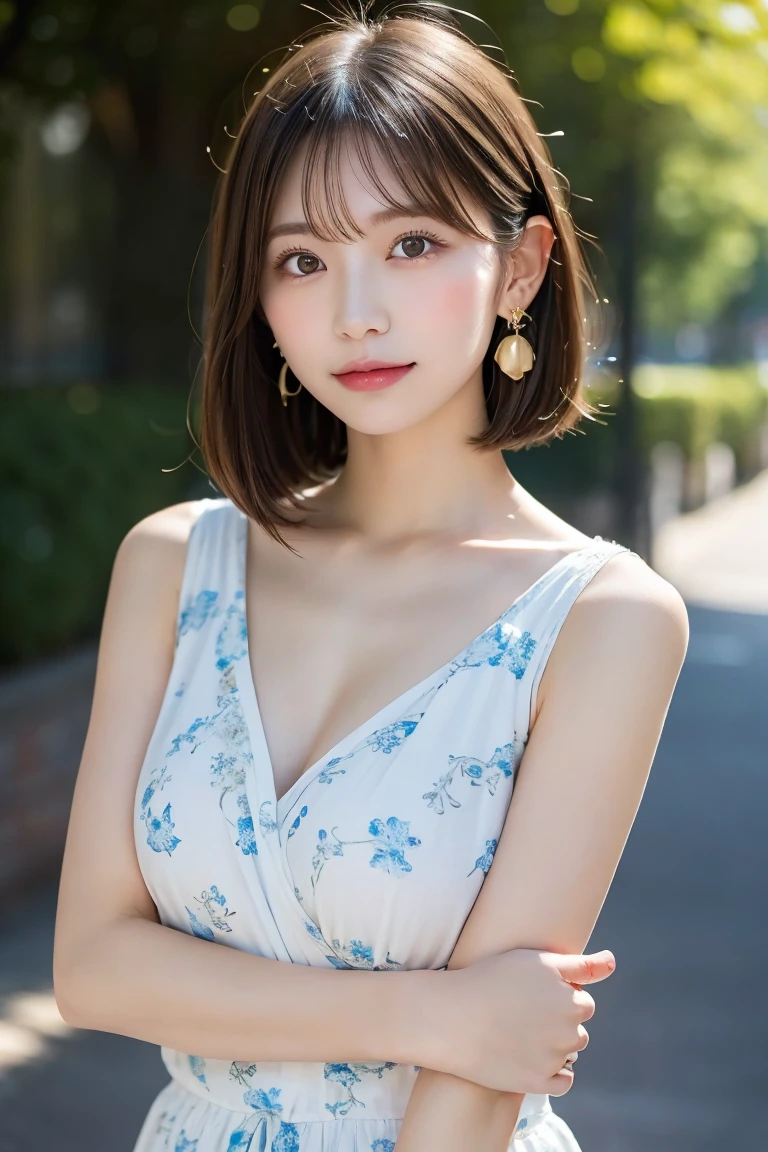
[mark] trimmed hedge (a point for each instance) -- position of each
(78, 467)
(690, 405)
(693, 405)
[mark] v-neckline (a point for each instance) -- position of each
(247, 681)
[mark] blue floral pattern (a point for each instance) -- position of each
(213, 902)
(287, 1139)
(197, 1068)
(246, 840)
(384, 740)
(197, 612)
(484, 862)
(266, 822)
(355, 954)
(230, 764)
(390, 838)
(376, 873)
(266, 1105)
(347, 1075)
(480, 773)
(184, 1144)
(160, 835)
(503, 645)
(294, 826)
(359, 955)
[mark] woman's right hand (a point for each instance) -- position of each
(511, 1020)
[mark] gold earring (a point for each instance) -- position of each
(281, 382)
(514, 355)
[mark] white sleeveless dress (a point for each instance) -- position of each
(372, 860)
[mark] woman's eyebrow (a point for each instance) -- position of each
(385, 216)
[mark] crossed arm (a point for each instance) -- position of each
(602, 704)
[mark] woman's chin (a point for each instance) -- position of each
(383, 412)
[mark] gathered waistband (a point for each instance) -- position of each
(273, 1095)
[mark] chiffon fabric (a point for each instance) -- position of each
(372, 859)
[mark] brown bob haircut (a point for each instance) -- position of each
(450, 123)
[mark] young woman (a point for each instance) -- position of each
(316, 693)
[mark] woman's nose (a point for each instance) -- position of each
(360, 308)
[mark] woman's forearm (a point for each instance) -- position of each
(141, 979)
(447, 1112)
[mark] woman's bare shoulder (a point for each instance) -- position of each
(148, 570)
(627, 614)
(158, 542)
(628, 584)
(169, 528)
(630, 607)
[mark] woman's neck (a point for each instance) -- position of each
(425, 479)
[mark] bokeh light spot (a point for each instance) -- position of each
(562, 7)
(588, 64)
(65, 128)
(243, 17)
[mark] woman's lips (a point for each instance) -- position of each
(375, 379)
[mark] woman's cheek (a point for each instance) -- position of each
(461, 311)
(295, 320)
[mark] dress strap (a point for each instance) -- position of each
(546, 614)
(211, 570)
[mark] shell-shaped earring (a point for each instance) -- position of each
(514, 355)
(281, 382)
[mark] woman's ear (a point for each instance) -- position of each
(528, 265)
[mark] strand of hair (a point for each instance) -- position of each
(210, 154)
(327, 17)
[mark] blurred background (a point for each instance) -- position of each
(113, 119)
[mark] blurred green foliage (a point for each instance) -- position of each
(694, 405)
(701, 68)
(78, 467)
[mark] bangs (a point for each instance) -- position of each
(446, 157)
(424, 185)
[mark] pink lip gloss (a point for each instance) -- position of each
(374, 380)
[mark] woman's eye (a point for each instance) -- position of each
(303, 263)
(414, 245)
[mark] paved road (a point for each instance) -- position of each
(677, 1055)
(718, 555)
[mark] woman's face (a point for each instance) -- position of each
(394, 295)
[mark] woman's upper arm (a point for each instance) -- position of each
(602, 705)
(100, 877)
